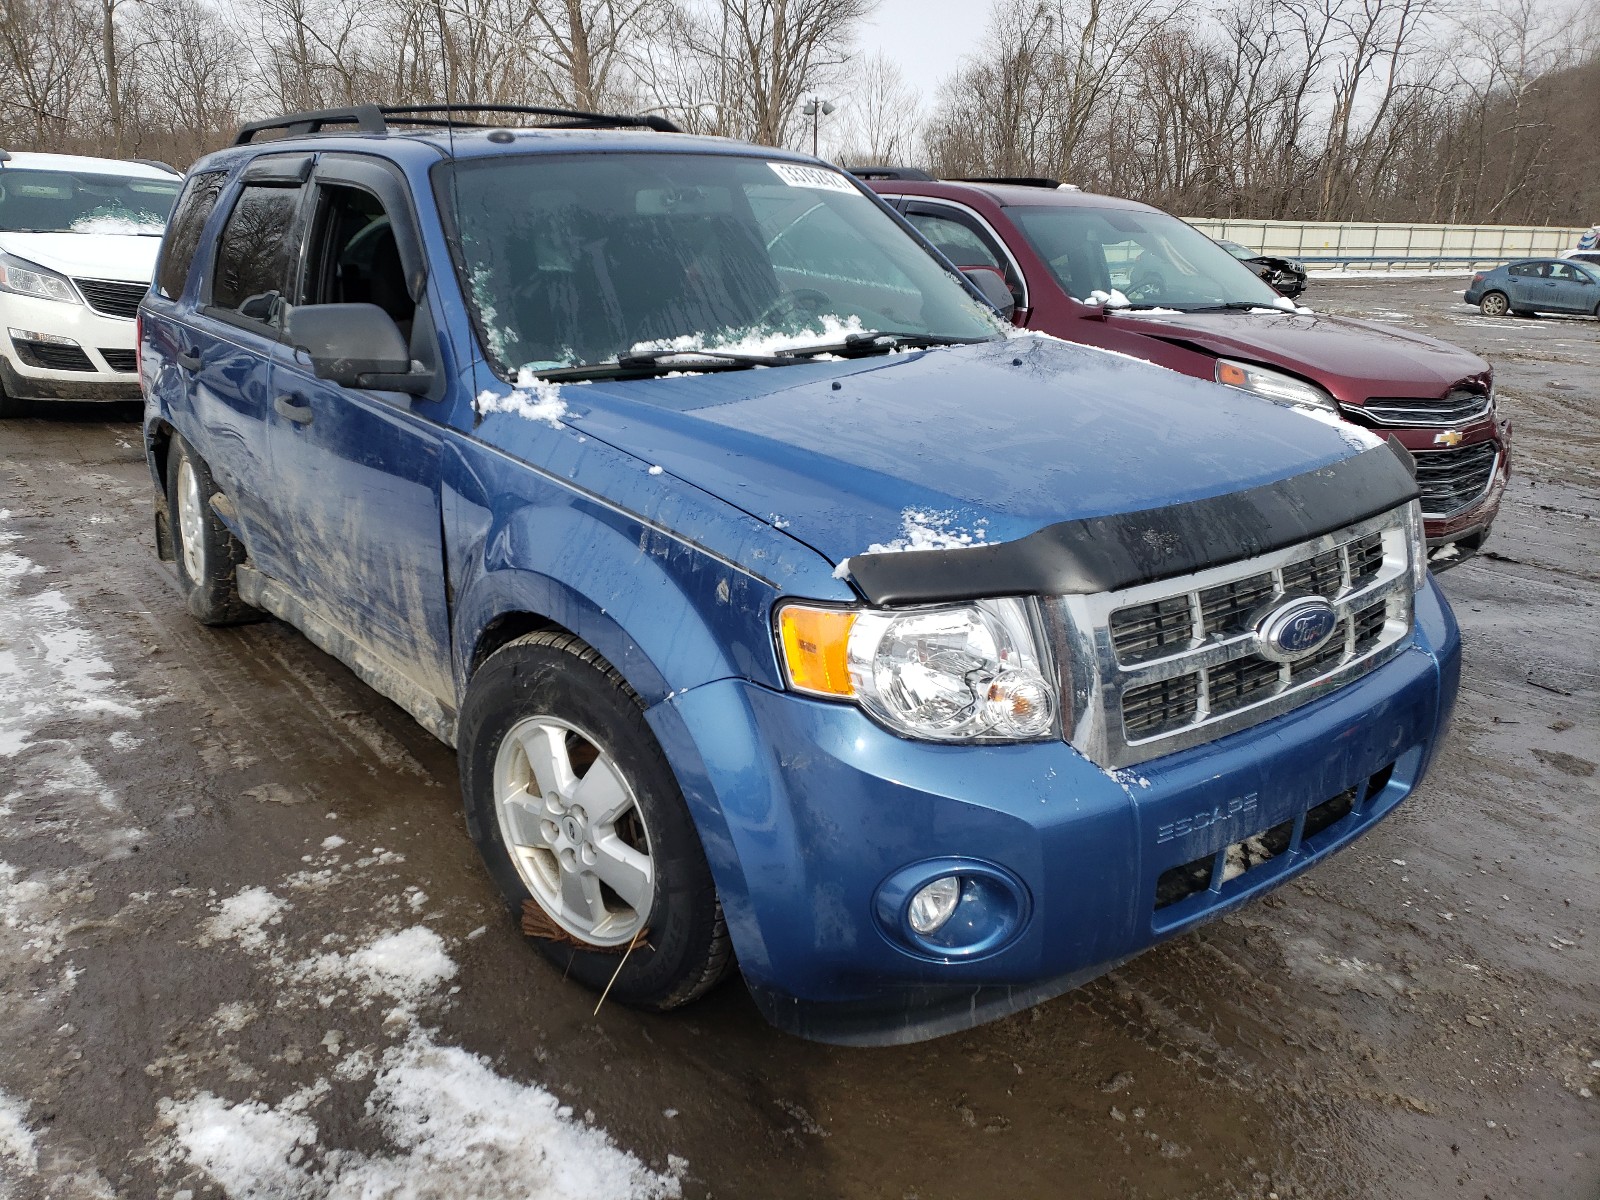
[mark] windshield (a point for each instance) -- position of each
(82, 202)
(1152, 259)
(582, 259)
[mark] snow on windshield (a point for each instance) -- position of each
(832, 329)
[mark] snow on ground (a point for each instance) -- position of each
(53, 670)
(16, 1139)
(459, 1130)
(453, 1128)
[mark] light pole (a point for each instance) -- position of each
(816, 108)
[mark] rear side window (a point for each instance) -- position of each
(183, 235)
(255, 252)
(1528, 269)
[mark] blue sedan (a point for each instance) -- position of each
(1557, 285)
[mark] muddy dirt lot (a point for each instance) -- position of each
(246, 946)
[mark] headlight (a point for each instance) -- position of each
(1417, 541)
(29, 279)
(1274, 385)
(975, 672)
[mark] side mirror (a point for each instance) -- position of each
(355, 346)
(994, 288)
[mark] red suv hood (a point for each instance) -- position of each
(1352, 359)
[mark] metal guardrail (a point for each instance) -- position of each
(1375, 245)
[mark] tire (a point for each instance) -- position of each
(665, 942)
(1494, 304)
(205, 551)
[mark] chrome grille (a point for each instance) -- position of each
(1458, 406)
(112, 297)
(1453, 480)
(1175, 663)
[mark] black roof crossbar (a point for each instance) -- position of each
(376, 118)
(908, 174)
(1038, 181)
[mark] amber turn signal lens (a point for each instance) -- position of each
(1230, 374)
(814, 644)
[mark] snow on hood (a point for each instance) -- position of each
(124, 256)
(1380, 359)
(996, 440)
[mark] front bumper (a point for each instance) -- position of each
(806, 808)
(94, 334)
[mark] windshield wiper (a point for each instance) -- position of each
(1239, 306)
(660, 362)
(858, 345)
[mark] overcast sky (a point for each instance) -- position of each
(926, 38)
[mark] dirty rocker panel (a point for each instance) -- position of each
(437, 717)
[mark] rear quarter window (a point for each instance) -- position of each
(183, 233)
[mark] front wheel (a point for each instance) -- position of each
(582, 825)
(1494, 304)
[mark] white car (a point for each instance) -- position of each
(78, 243)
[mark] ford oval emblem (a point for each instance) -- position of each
(1296, 628)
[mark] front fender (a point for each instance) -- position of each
(667, 613)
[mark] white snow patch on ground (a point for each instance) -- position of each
(53, 670)
(244, 918)
(16, 1139)
(533, 399)
(459, 1131)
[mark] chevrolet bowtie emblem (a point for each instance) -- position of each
(1450, 437)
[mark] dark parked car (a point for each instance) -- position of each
(1285, 276)
(784, 606)
(1535, 285)
(1131, 278)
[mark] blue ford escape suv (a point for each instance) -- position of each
(784, 607)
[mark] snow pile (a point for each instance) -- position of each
(922, 529)
(244, 918)
(533, 399)
(145, 224)
(455, 1130)
(756, 341)
(404, 966)
(459, 1130)
(16, 1139)
(1111, 299)
(53, 670)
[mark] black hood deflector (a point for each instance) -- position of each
(1100, 554)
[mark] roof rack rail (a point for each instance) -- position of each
(378, 118)
(1037, 181)
(909, 174)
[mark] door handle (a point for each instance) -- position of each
(293, 407)
(189, 359)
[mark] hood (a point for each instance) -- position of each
(125, 256)
(963, 445)
(1352, 359)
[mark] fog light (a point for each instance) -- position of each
(49, 339)
(933, 905)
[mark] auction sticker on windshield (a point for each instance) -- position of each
(813, 177)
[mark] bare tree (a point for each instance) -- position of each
(880, 121)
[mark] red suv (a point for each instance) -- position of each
(1131, 278)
